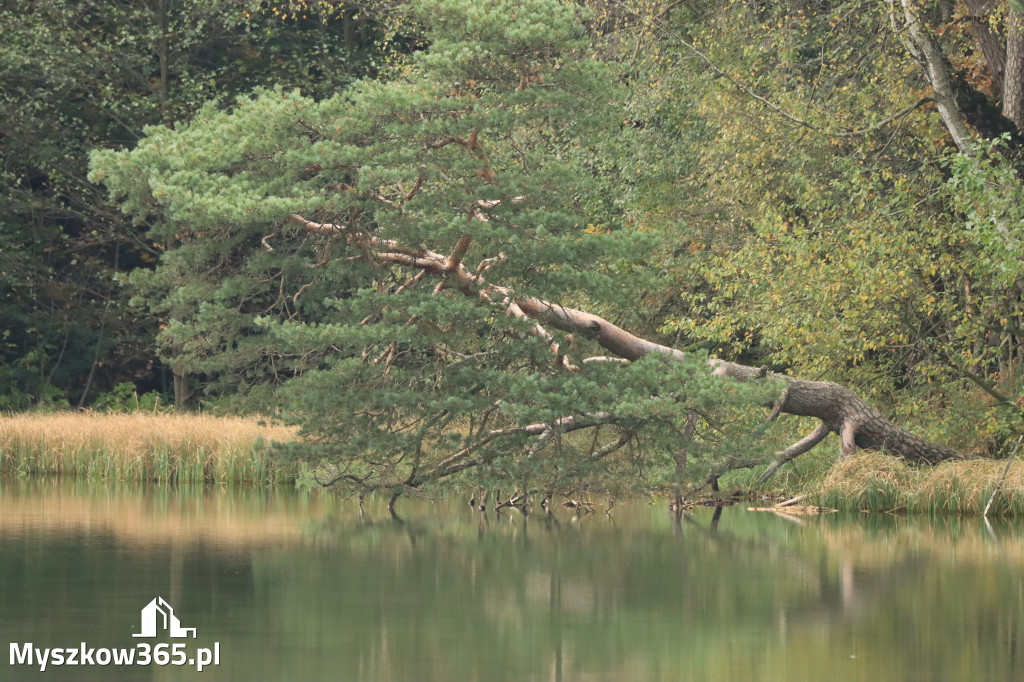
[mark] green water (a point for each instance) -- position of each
(301, 587)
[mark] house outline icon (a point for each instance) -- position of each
(167, 618)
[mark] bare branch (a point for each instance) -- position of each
(295, 298)
(377, 196)
(415, 188)
(605, 358)
(317, 228)
(486, 264)
(777, 407)
(516, 310)
(413, 280)
(611, 447)
(747, 90)
(795, 450)
(426, 263)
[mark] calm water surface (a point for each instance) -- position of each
(301, 587)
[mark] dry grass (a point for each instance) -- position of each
(140, 446)
(883, 483)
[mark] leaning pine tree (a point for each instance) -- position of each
(404, 268)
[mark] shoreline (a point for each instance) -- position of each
(142, 446)
(198, 448)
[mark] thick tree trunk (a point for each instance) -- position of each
(181, 391)
(839, 409)
(925, 49)
(962, 106)
(163, 48)
(857, 423)
(988, 40)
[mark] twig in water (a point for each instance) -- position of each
(792, 500)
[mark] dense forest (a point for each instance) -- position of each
(80, 76)
(423, 230)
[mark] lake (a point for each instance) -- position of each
(285, 585)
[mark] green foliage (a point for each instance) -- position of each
(779, 166)
(819, 226)
(986, 190)
(125, 398)
(79, 76)
(494, 137)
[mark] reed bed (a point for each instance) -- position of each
(187, 448)
(871, 481)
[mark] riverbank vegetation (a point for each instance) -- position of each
(553, 244)
(139, 446)
(875, 482)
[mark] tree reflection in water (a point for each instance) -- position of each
(303, 586)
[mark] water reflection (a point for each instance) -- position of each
(306, 587)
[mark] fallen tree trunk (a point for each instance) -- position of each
(839, 409)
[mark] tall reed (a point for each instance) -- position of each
(141, 447)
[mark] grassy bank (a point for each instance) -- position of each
(881, 483)
(872, 481)
(141, 447)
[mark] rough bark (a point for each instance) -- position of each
(925, 49)
(181, 390)
(163, 48)
(988, 40)
(1013, 84)
(839, 409)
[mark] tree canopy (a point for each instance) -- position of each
(826, 190)
(364, 260)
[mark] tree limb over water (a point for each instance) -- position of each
(838, 409)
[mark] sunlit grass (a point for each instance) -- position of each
(139, 446)
(879, 482)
